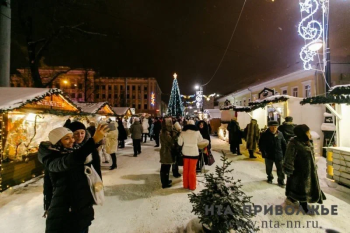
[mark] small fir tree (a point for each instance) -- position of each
(221, 205)
(175, 106)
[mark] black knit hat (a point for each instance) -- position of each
(76, 125)
(300, 132)
(289, 119)
(273, 123)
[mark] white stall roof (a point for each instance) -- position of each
(16, 97)
(91, 107)
(214, 113)
(120, 110)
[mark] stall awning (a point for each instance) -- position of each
(12, 98)
(102, 108)
(121, 111)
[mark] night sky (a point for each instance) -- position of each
(149, 38)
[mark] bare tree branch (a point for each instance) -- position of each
(36, 42)
(76, 27)
(56, 75)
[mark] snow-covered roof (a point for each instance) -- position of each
(214, 113)
(272, 98)
(16, 97)
(339, 86)
(92, 108)
(120, 110)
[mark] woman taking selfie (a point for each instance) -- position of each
(70, 208)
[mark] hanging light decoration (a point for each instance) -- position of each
(311, 30)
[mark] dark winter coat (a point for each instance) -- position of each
(252, 135)
(71, 208)
(157, 127)
(204, 132)
(122, 132)
(91, 130)
(235, 135)
(301, 169)
(287, 129)
(272, 146)
(136, 130)
(167, 144)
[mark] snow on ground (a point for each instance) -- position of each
(135, 201)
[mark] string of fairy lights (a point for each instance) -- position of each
(207, 97)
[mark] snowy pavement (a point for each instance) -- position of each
(135, 201)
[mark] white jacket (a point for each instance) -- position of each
(145, 125)
(189, 139)
(112, 140)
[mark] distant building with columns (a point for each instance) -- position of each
(85, 85)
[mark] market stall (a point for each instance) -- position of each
(96, 111)
(214, 118)
(337, 102)
(26, 117)
(122, 111)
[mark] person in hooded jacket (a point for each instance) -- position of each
(287, 128)
(71, 205)
(189, 139)
(166, 159)
(112, 144)
(145, 128)
(122, 134)
(204, 131)
(301, 170)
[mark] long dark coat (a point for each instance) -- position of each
(272, 146)
(301, 169)
(204, 131)
(166, 145)
(71, 204)
(235, 135)
(252, 135)
(122, 132)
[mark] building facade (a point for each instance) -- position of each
(302, 84)
(84, 85)
(298, 84)
(143, 94)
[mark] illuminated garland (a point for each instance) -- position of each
(238, 108)
(50, 92)
(310, 29)
(268, 101)
(329, 99)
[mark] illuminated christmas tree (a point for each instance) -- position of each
(175, 106)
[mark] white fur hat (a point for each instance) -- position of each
(190, 122)
(177, 126)
(57, 134)
(136, 119)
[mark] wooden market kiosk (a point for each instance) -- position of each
(27, 115)
(98, 111)
(337, 101)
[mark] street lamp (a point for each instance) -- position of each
(196, 87)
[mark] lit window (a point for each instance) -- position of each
(295, 92)
(307, 91)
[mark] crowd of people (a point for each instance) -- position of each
(73, 150)
(290, 148)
